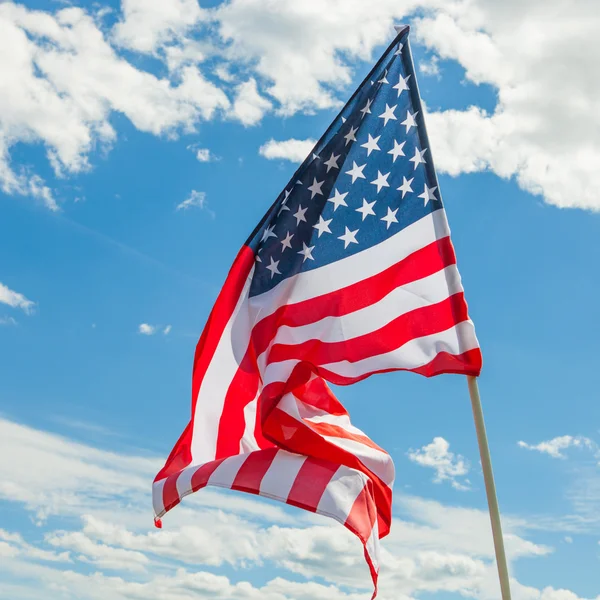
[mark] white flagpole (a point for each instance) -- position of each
(490, 487)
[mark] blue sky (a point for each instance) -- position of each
(90, 404)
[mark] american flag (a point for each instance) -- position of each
(351, 272)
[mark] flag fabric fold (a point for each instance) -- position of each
(351, 272)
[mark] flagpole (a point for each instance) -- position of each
(490, 487)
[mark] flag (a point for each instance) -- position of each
(351, 272)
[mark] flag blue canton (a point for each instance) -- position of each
(368, 177)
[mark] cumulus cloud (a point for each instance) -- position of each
(146, 26)
(249, 106)
(555, 446)
(98, 495)
(15, 300)
(65, 78)
(61, 83)
(292, 149)
(544, 130)
(447, 465)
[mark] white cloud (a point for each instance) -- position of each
(432, 547)
(146, 329)
(196, 199)
(249, 106)
(304, 51)
(8, 321)
(15, 300)
(61, 82)
(554, 446)
(292, 149)
(167, 330)
(64, 80)
(447, 465)
(148, 25)
(431, 68)
(544, 129)
(202, 154)
(100, 555)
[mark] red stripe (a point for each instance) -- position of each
(304, 441)
(422, 263)
(330, 430)
(467, 363)
(219, 317)
(181, 455)
(251, 473)
(170, 494)
(417, 323)
(361, 521)
(241, 391)
(316, 393)
(362, 516)
(202, 475)
(310, 483)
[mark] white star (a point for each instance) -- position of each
(267, 233)
(332, 162)
(323, 226)
(366, 209)
(315, 188)
(349, 237)
(338, 200)
(383, 78)
(381, 181)
(306, 252)
(356, 171)
(287, 241)
(390, 217)
(273, 268)
(402, 85)
(299, 214)
(399, 51)
(405, 187)
(258, 258)
(418, 159)
(366, 109)
(351, 135)
(397, 150)
(344, 119)
(388, 114)
(428, 194)
(410, 120)
(371, 144)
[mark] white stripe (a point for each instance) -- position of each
(219, 374)
(184, 481)
(224, 475)
(341, 492)
(418, 294)
(157, 497)
(280, 476)
(372, 545)
(248, 442)
(413, 354)
(297, 409)
(352, 269)
(377, 461)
